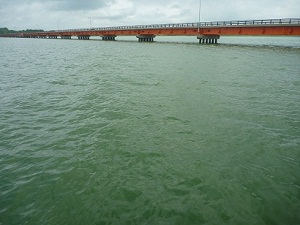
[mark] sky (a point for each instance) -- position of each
(70, 14)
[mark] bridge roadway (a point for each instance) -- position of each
(206, 32)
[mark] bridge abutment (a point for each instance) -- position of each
(146, 38)
(208, 39)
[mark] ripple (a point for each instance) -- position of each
(98, 137)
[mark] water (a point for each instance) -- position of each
(124, 132)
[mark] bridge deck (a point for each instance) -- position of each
(246, 27)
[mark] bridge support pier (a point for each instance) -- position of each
(83, 37)
(208, 39)
(146, 38)
(66, 37)
(108, 37)
(52, 37)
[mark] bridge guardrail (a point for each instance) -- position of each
(289, 21)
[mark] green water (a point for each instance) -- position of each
(124, 132)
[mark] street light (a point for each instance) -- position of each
(199, 19)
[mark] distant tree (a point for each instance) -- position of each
(5, 30)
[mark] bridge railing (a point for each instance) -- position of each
(253, 22)
(293, 21)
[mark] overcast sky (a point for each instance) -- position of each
(64, 14)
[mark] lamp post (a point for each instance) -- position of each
(199, 15)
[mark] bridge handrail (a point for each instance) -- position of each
(290, 21)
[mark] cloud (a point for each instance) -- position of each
(255, 9)
(78, 5)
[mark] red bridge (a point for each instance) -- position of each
(206, 32)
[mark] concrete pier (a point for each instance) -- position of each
(66, 37)
(146, 38)
(208, 39)
(84, 37)
(108, 38)
(52, 37)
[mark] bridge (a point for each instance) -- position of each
(206, 32)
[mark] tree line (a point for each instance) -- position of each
(5, 30)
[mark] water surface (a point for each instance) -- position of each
(123, 132)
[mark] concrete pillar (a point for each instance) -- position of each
(146, 38)
(108, 37)
(208, 39)
(83, 37)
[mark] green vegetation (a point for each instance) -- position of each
(5, 30)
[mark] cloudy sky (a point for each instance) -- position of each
(65, 14)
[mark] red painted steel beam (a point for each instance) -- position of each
(226, 30)
(255, 30)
